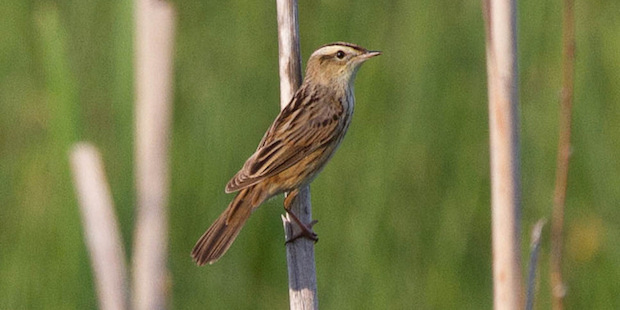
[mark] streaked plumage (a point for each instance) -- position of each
(299, 143)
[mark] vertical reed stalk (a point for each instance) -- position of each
(299, 254)
(501, 51)
(154, 45)
(558, 289)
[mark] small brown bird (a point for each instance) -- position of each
(296, 147)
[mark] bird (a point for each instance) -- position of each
(295, 148)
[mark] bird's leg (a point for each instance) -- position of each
(306, 230)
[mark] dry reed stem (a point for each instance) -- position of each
(154, 45)
(558, 289)
(101, 230)
(300, 253)
(500, 17)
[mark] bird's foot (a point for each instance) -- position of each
(305, 230)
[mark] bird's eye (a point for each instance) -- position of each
(340, 54)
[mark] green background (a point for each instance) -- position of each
(404, 205)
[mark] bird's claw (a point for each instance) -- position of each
(305, 232)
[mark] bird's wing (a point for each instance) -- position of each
(302, 127)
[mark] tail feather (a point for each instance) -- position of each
(218, 238)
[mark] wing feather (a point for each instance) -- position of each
(304, 125)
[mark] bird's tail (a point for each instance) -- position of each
(218, 238)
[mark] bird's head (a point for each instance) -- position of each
(337, 63)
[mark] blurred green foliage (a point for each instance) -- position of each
(403, 207)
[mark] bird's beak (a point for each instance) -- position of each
(363, 57)
(370, 54)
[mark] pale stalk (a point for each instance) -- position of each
(153, 70)
(300, 253)
(101, 232)
(501, 51)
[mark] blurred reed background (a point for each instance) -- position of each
(404, 205)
